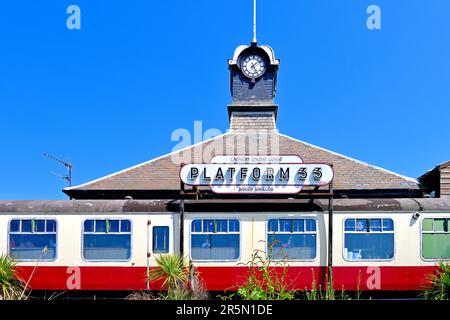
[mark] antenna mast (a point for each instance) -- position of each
(66, 164)
(254, 41)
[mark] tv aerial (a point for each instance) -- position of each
(67, 164)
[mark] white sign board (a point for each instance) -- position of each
(256, 178)
(257, 159)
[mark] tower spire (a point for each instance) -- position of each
(254, 41)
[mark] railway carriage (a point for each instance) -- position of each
(377, 244)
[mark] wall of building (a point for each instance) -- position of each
(445, 181)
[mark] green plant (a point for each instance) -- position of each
(312, 294)
(181, 293)
(171, 270)
(440, 283)
(11, 287)
(196, 285)
(343, 295)
(317, 293)
(180, 281)
(266, 279)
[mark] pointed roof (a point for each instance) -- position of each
(162, 174)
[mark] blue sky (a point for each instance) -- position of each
(109, 96)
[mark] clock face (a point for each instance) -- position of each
(253, 66)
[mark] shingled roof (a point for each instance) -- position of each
(162, 174)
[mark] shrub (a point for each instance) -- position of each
(180, 281)
(11, 287)
(266, 279)
(440, 283)
(317, 292)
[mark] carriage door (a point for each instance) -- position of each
(158, 243)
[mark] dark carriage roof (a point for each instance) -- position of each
(261, 205)
(85, 206)
(162, 174)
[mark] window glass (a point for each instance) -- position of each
(311, 225)
(435, 238)
(89, 226)
(273, 225)
(285, 225)
(221, 225)
(298, 225)
(114, 226)
(51, 226)
(427, 225)
(196, 226)
(373, 243)
(350, 225)
(208, 226)
(439, 225)
(161, 239)
(375, 225)
(28, 240)
(233, 226)
(292, 241)
(388, 225)
(100, 226)
(100, 244)
(40, 225)
(26, 225)
(14, 226)
(207, 244)
(125, 226)
(361, 224)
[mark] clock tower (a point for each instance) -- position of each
(253, 72)
(253, 81)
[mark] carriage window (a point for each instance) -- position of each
(160, 239)
(368, 239)
(32, 239)
(436, 238)
(215, 239)
(107, 240)
(292, 238)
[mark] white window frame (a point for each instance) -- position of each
(431, 232)
(215, 233)
(36, 233)
(295, 232)
(107, 233)
(369, 232)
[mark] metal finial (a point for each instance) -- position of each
(254, 41)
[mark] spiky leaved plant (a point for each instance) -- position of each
(173, 273)
(11, 287)
(440, 283)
